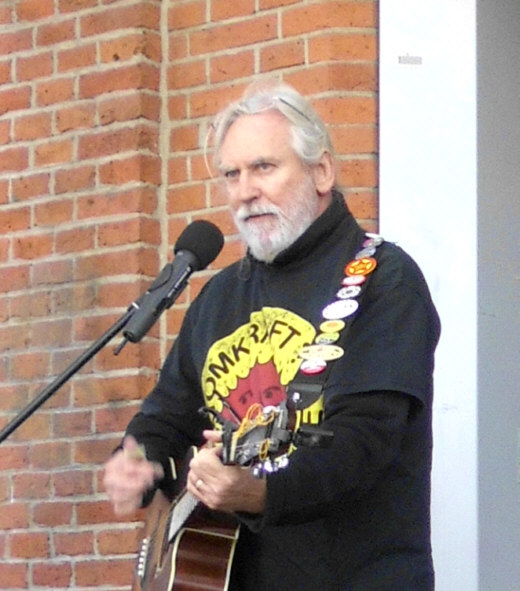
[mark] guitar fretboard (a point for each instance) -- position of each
(181, 510)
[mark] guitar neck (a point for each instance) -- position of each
(182, 508)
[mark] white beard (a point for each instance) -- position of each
(283, 227)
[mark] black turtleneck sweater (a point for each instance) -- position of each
(351, 517)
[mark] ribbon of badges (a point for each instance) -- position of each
(324, 349)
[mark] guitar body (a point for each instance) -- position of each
(188, 547)
(198, 558)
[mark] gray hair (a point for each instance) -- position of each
(310, 138)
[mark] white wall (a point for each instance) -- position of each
(428, 204)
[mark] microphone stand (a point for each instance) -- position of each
(58, 382)
(147, 309)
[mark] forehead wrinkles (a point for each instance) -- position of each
(255, 137)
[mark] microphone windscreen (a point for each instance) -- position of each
(204, 240)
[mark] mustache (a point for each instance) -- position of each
(251, 210)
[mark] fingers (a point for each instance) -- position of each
(128, 475)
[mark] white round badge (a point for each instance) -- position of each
(340, 309)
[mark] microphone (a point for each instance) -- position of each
(197, 246)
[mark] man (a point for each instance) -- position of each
(316, 302)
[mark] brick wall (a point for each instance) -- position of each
(104, 108)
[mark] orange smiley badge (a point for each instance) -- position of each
(362, 266)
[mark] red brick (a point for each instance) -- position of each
(186, 14)
(128, 232)
(15, 99)
(52, 272)
(6, 14)
(54, 91)
(128, 107)
(14, 458)
(225, 37)
(119, 18)
(77, 57)
(52, 574)
(184, 138)
(54, 33)
(105, 143)
(113, 389)
(230, 67)
(72, 483)
(75, 240)
(128, 46)
(186, 198)
(32, 246)
(13, 159)
(74, 544)
(5, 132)
(53, 213)
(13, 220)
(135, 168)
(353, 47)
(102, 572)
(75, 179)
(142, 199)
(14, 516)
(55, 152)
(30, 186)
(73, 424)
(13, 42)
(32, 486)
(33, 10)
(76, 117)
(325, 14)
(35, 66)
(30, 545)
(282, 55)
(66, 6)
(223, 9)
(115, 420)
(53, 514)
(33, 126)
(186, 74)
(15, 277)
(124, 541)
(14, 576)
(5, 72)
(125, 77)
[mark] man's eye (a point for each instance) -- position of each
(231, 174)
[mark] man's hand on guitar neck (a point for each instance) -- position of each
(224, 488)
(128, 475)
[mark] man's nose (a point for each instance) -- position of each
(247, 189)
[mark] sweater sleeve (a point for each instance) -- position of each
(368, 429)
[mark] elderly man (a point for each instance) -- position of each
(315, 305)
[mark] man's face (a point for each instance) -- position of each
(271, 193)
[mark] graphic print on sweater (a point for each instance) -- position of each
(256, 362)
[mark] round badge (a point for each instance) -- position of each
(340, 309)
(366, 252)
(348, 292)
(312, 367)
(362, 266)
(332, 326)
(353, 280)
(323, 352)
(327, 338)
(373, 240)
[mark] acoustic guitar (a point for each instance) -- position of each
(188, 547)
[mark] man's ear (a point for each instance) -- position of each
(324, 174)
